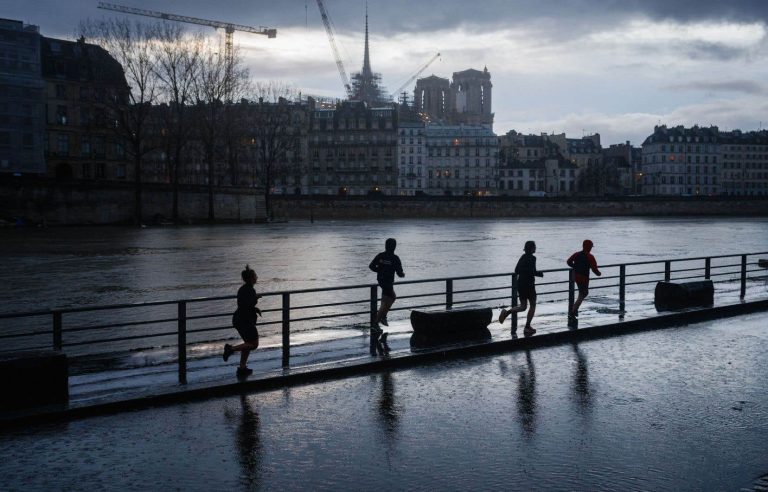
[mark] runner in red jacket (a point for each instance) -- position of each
(582, 262)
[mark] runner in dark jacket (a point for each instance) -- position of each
(244, 321)
(526, 287)
(582, 262)
(386, 265)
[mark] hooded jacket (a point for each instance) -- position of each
(582, 262)
(386, 264)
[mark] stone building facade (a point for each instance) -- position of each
(682, 161)
(21, 99)
(80, 125)
(461, 160)
(412, 157)
(467, 99)
(744, 163)
(548, 176)
(352, 150)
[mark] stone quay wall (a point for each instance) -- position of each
(391, 207)
(36, 201)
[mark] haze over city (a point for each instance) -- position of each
(615, 68)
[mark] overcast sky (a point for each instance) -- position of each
(616, 67)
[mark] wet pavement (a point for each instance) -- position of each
(680, 409)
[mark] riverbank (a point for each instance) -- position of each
(29, 202)
(391, 207)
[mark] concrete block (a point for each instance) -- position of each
(676, 295)
(439, 327)
(30, 379)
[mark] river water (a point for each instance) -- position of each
(84, 266)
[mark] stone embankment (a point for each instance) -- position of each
(35, 202)
(335, 208)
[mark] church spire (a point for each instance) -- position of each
(367, 72)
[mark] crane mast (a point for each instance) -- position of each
(413, 77)
(332, 40)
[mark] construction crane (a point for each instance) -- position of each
(228, 27)
(332, 40)
(413, 77)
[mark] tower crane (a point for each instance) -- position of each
(228, 27)
(332, 40)
(413, 77)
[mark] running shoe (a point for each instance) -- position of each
(227, 351)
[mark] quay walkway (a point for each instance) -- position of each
(110, 382)
(683, 409)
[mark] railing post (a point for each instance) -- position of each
(707, 268)
(182, 345)
(449, 294)
(513, 302)
(571, 291)
(57, 327)
(667, 270)
(286, 329)
(373, 334)
(622, 289)
(743, 276)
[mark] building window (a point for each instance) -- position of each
(101, 171)
(63, 144)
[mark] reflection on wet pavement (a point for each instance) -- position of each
(682, 409)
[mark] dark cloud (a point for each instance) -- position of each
(563, 17)
(702, 50)
(740, 86)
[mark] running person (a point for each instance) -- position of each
(386, 264)
(526, 287)
(244, 321)
(582, 262)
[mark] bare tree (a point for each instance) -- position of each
(599, 179)
(177, 66)
(275, 133)
(216, 84)
(133, 46)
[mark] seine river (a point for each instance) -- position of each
(65, 267)
(73, 267)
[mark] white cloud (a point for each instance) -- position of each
(745, 113)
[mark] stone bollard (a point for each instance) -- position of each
(456, 325)
(31, 379)
(674, 295)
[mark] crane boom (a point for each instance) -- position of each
(332, 40)
(227, 26)
(413, 77)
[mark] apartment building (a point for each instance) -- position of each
(461, 160)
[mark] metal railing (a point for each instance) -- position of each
(282, 312)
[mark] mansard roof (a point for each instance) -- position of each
(79, 61)
(697, 134)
